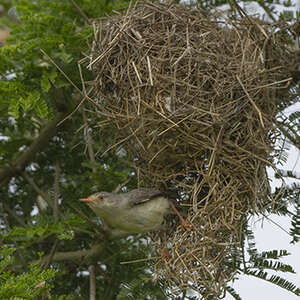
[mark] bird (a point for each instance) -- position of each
(137, 211)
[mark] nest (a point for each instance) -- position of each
(194, 100)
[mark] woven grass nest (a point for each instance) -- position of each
(194, 98)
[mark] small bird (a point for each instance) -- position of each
(140, 210)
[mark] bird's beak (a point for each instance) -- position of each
(87, 200)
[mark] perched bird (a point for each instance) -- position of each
(140, 210)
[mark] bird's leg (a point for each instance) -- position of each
(184, 223)
(165, 254)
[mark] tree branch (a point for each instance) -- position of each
(92, 282)
(7, 173)
(81, 256)
(13, 214)
(45, 263)
(38, 190)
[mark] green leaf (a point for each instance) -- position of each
(6, 257)
(13, 109)
(65, 57)
(233, 293)
(46, 78)
(68, 235)
(42, 109)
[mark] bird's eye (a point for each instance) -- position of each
(100, 197)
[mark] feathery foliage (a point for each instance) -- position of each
(50, 158)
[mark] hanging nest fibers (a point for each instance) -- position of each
(194, 97)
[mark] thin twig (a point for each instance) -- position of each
(118, 188)
(14, 215)
(38, 190)
(149, 69)
(92, 282)
(85, 96)
(46, 262)
(56, 191)
(138, 260)
(97, 229)
(75, 109)
(89, 141)
(81, 12)
(253, 103)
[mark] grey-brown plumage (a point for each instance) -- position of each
(137, 211)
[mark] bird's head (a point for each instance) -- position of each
(100, 200)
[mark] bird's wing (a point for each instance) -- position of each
(140, 196)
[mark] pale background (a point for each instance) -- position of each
(268, 235)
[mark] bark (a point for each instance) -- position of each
(80, 256)
(17, 167)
